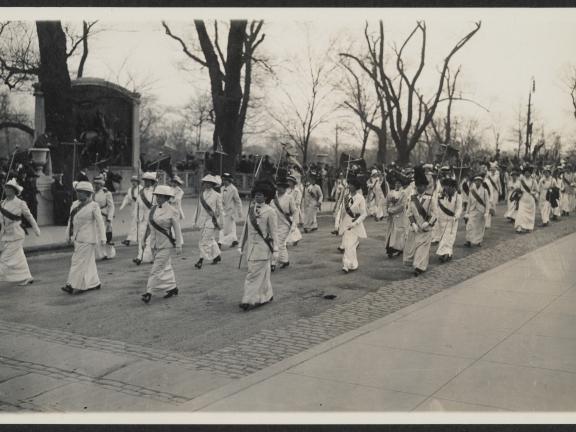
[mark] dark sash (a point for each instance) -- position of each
(254, 223)
(477, 197)
(147, 203)
(72, 214)
(158, 228)
(486, 187)
(209, 211)
(132, 193)
(350, 213)
(444, 209)
(465, 187)
(493, 184)
(9, 215)
(286, 215)
(525, 186)
(419, 207)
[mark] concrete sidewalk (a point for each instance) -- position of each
(501, 341)
(54, 237)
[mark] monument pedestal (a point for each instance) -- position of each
(41, 158)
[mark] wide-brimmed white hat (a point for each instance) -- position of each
(99, 179)
(374, 172)
(84, 186)
(178, 180)
(134, 178)
(14, 184)
(428, 166)
(210, 179)
(164, 190)
(149, 176)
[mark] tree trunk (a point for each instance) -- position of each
(382, 146)
(55, 83)
(403, 153)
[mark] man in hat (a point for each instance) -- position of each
(103, 197)
(312, 204)
(513, 187)
(176, 183)
(165, 236)
(86, 229)
(232, 208)
(287, 216)
(260, 244)
(352, 226)
(396, 204)
(526, 208)
(13, 264)
(495, 188)
(130, 199)
(208, 220)
(62, 199)
(545, 186)
(448, 211)
(295, 192)
(144, 203)
(479, 207)
(420, 213)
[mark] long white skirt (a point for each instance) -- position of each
(283, 233)
(350, 243)
(475, 228)
(417, 249)
(228, 232)
(397, 235)
(309, 217)
(132, 237)
(257, 286)
(144, 251)
(13, 264)
(208, 246)
(526, 214)
(83, 273)
(161, 274)
(510, 208)
(545, 210)
(448, 229)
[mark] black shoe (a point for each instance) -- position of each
(220, 245)
(341, 250)
(335, 232)
(67, 289)
(345, 270)
(198, 265)
(273, 268)
(146, 297)
(126, 242)
(448, 258)
(418, 272)
(217, 260)
(171, 293)
(284, 265)
(137, 261)
(442, 258)
(468, 244)
(306, 231)
(234, 243)
(97, 287)
(295, 243)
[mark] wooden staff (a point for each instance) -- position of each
(244, 229)
(8, 173)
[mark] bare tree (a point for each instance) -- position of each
(74, 40)
(301, 113)
(230, 93)
(366, 107)
(409, 111)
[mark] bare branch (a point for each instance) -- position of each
(183, 45)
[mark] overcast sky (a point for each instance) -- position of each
(512, 46)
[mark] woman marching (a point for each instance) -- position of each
(287, 220)
(526, 209)
(13, 264)
(86, 229)
(396, 203)
(260, 242)
(352, 226)
(165, 235)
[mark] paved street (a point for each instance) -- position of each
(107, 351)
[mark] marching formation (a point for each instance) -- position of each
(415, 207)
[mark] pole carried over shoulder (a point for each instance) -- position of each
(245, 230)
(8, 173)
